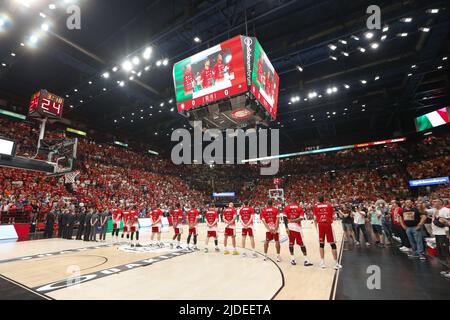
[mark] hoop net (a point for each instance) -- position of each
(69, 178)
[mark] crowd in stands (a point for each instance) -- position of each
(111, 173)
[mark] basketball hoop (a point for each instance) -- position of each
(69, 178)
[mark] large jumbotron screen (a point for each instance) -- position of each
(265, 81)
(210, 75)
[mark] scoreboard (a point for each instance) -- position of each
(46, 104)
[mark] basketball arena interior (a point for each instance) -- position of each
(229, 150)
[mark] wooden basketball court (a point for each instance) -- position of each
(65, 270)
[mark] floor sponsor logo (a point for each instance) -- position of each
(52, 254)
(69, 282)
(146, 249)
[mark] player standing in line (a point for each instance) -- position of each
(177, 220)
(192, 218)
(134, 223)
(229, 217)
(188, 80)
(212, 219)
(125, 220)
(270, 216)
(219, 69)
(156, 215)
(207, 76)
(323, 215)
(293, 215)
(247, 215)
(116, 218)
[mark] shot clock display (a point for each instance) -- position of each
(47, 105)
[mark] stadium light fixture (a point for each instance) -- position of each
(147, 53)
(333, 58)
(127, 65)
(3, 64)
(52, 6)
(425, 29)
(346, 86)
(115, 69)
(346, 54)
(369, 35)
(413, 66)
(363, 81)
(361, 49)
(22, 44)
(385, 29)
(332, 47)
(131, 78)
(343, 41)
(403, 34)
(105, 75)
(384, 37)
(444, 58)
(197, 39)
(75, 90)
(312, 95)
(406, 20)
(42, 15)
(13, 54)
(136, 61)
(165, 62)
(162, 104)
(90, 82)
(377, 78)
(122, 83)
(45, 27)
(158, 63)
(355, 38)
(374, 45)
(410, 74)
(299, 68)
(440, 67)
(433, 11)
(104, 89)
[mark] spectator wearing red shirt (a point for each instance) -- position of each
(397, 229)
(323, 217)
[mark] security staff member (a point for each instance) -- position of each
(81, 219)
(49, 223)
(87, 224)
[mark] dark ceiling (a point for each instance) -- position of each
(293, 33)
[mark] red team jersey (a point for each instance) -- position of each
(270, 215)
(134, 216)
(229, 214)
(156, 214)
(211, 216)
(292, 212)
(116, 214)
(188, 81)
(219, 72)
(126, 217)
(192, 216)
(323, 213)
(246, 214)
(177, 215)
(207, 78)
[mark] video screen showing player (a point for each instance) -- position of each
(210, 75)
(265, 81)
(209, 72)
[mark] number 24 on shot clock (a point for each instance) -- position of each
(46, 104)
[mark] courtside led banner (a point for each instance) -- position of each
(265, 81)
(433, 119)
(210, 75)
(429, 182)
